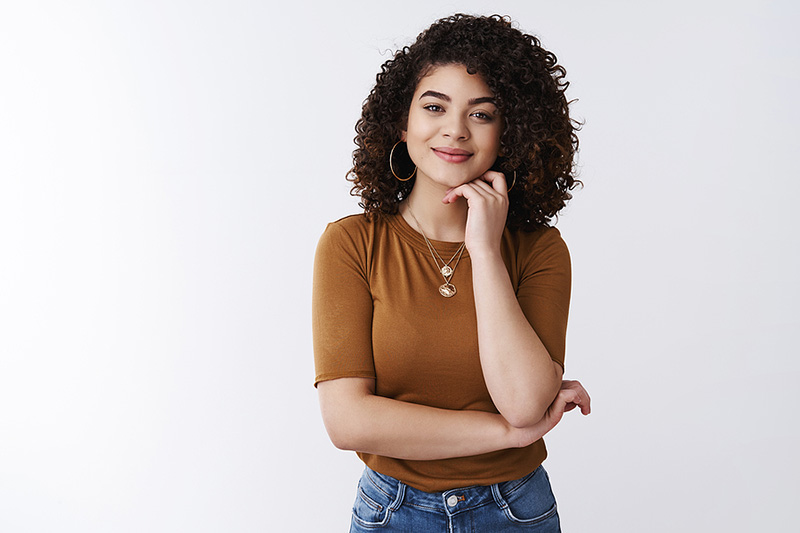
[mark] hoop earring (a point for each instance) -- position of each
(513, 182)
(391, 167)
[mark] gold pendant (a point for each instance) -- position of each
(448, 290)
(447, 271)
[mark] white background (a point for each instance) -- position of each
(166, 168)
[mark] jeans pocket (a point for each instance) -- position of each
(375, 501)
(529, 500)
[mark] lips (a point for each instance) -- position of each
(452, 155)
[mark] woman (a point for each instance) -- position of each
(440, 314)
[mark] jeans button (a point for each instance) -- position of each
(452, 501)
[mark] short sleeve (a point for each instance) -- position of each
(341, 306)
(544, 291)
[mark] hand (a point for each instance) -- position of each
(571, 395)
(487, 202)
(581, 397)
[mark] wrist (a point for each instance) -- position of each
(484, 253)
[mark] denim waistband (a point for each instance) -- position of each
(450, 502)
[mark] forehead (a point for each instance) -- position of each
(454, 81)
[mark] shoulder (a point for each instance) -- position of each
(352, 223)
(543, 242)
(354, 237)
(351, 230)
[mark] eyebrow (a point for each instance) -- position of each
(472, 101)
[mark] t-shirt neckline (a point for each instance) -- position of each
(417, 241)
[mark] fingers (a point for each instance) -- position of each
(582, 397)
(488, 209)
(469, 191)
(567, 397)
(564, 399)
(489, 185)
(571, 395)
(497, 180)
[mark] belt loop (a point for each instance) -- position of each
(401, 493)
(498, 498)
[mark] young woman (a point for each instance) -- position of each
(440, 313)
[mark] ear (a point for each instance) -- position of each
(403, 135)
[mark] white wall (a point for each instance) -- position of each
(167, 167)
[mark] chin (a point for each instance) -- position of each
(451, 177)
(453, 183)
(454, 179)
(465, 179)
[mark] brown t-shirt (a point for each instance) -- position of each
(377, 313)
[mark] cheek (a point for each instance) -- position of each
(493, 145)
(416, 138)
(416, 151)
(497, 143)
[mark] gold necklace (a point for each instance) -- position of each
(447, 289)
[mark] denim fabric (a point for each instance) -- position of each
(384, 504)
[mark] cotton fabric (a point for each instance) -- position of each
(377, 313)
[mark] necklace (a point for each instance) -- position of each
(447, 289)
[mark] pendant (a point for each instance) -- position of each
(448, 290)
(447, 271)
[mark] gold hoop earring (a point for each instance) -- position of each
(391, 167)
(513, 182)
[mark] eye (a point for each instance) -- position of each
(482, 116)
(434, 108)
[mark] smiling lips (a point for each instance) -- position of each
(452, 155)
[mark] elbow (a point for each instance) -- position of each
(341, 437)
(523, 418)
(342, 405)
(339, 441)
(346, 429)
(340, 432)
(526, 409)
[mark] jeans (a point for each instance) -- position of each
(384, 504)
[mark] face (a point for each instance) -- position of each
(454, 127)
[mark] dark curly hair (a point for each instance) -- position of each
(539, 139)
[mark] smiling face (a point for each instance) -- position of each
(453, 130)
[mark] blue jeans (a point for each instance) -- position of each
(384, 504)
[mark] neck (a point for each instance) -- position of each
(439, 221)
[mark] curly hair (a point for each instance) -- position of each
(539, 139)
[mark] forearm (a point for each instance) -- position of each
(373, 424)
(519, 373)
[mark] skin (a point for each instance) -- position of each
(453, 136)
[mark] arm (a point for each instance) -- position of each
(520, 374)
(356, 419)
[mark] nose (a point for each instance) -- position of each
(456, 128)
